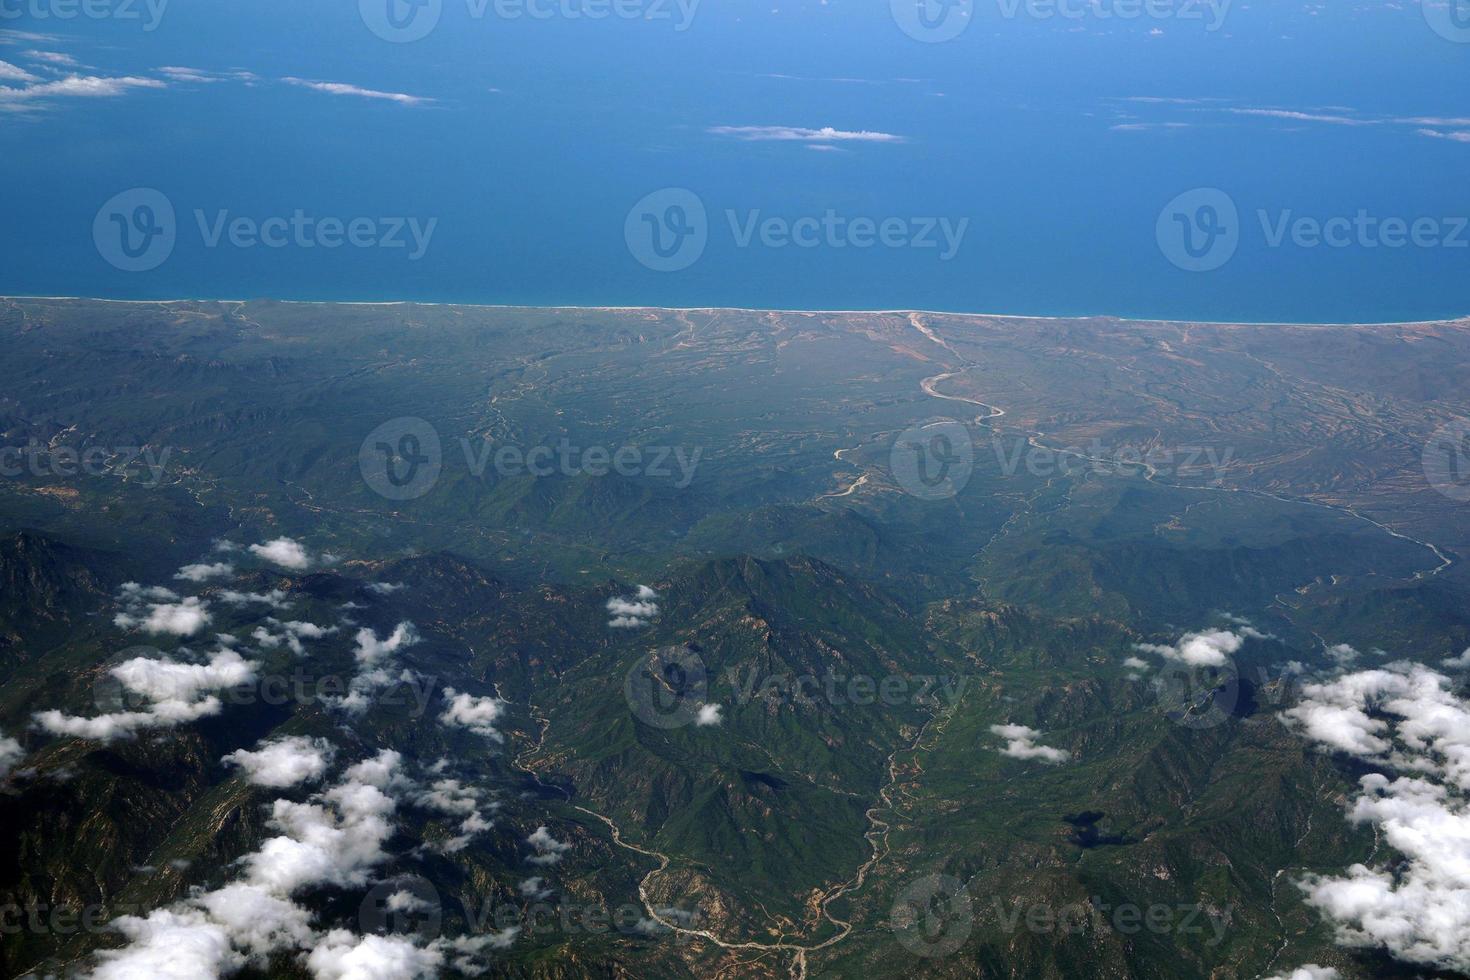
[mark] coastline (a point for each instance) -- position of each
(1463, 319)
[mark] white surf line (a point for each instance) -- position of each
(1460, 321)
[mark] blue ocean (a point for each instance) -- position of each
(1262, 161)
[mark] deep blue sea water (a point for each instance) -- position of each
(537, 136)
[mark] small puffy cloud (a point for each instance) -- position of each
(12, 73)
(275, 632)
(709, 714)
(204, 571)
(183, 618)
(285, 552)
(1209, 648)
(344, 956)
(633, 611)
(156, 609)
(453, 798)
(275, 598)
(1309, 972)
(479, 715)
(10, 753)
(340, 88)
(1021, 744)
(534, 888)
(1136, 663)
(131, 593)
(373, 657)
(283, 762)
(799, 134)
(372, 651)
(1343, 653)
(1462, 662)
(549, 850)
(57, 58)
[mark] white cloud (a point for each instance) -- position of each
(479, 715)
(335, 839)
(176, 693)
(548, 849)
(74, 87)
(453, 798)
(373, 656)
(284, 552)
(291, 634)
(709, 714)
(344, 956)
(183, 618)
(1462, 662)
(825, 134)
(1405, 719)
(1456, 136)
(10, 753)
(203, 572)
(372, 651)
(340, 88)
(1209, 648)
(13, 73)
(533, 888)
(633, 611)
(1309, 972)
(275, 598)
(1137, 663)
(1021, 744)
(199, 76)
(57, 58)
(283, 762)
(1296, 116)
